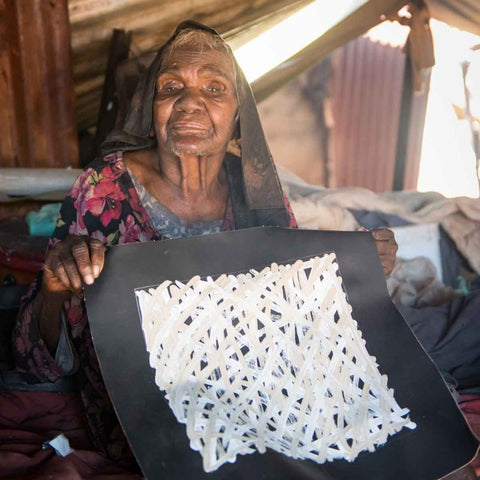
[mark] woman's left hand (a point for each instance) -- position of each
(387, 248)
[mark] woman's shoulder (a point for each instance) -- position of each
(100, 170)
(98, 179)
(112, 160)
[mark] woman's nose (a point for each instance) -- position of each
(190, 100)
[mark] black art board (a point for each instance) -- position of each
(441, 443)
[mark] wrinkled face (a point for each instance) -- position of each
(195, 103)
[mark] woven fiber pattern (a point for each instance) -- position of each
(271, 359)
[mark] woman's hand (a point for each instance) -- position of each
(72, 262)
(387, 248)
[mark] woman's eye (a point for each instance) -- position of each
(170, 87)
(214, 89)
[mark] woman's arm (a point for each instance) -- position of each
(55, 293)
(101, 209)
(72, 262)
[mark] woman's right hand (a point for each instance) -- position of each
(72, 262)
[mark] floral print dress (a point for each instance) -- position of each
(104, 203)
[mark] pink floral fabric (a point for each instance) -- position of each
(102, 204)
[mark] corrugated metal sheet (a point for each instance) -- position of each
(37, 126)
(366, 99)
(151, 23)
(367, 86)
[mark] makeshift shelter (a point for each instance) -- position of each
(65, 84)
(52, 92)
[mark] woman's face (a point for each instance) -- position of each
(195, 102)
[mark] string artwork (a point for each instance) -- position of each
(270, 359)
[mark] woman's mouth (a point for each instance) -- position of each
(189, 128)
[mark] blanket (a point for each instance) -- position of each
(330, 209)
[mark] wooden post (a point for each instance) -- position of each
(468, 114)
(107, 116)
(403, 128)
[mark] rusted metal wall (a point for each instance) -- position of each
(37, 123)
(366, 94)
(366, 99)
(151, 23)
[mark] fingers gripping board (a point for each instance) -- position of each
(269, 353)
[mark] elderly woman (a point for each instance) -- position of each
(175, 168)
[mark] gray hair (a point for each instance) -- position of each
(203, 40)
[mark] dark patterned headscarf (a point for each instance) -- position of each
(255, 190)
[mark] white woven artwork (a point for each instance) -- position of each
(269, 359)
